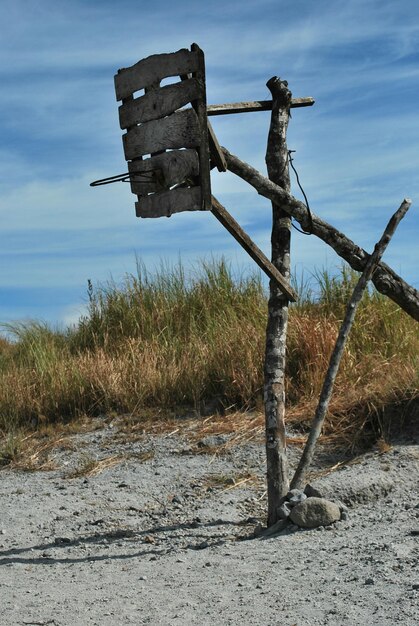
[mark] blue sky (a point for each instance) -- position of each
(357, 149)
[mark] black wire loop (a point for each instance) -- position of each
(127, 177)
(310, 217)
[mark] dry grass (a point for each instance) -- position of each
(31, 452)
(224, 482)
(90, 466)
(195, 341)
(31, 449)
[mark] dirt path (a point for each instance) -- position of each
(164, 537)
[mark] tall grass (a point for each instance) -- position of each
(177, 338)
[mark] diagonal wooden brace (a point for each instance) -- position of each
(252, 249)
(384, 278)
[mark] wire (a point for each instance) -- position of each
(127, 177)
(310, 230)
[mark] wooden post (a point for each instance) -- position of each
(276, 332)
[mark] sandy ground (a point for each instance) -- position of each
(165, 536)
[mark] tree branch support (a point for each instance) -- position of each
(384, 278)
(338, 350)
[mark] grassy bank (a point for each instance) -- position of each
(173, 339)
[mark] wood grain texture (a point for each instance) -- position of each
(154, 68)
(255, 105)
(158, 103)
(156, 122)
(169, 202)
(200, 106)
(179, 130)
(163, 171)
(216, 153)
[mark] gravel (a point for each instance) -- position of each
(167, 536)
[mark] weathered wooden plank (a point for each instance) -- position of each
(200, 106)
(252, 249)
(148, 182)
(257, 105)
(163, 171)
(216, 153)
(179, 130)
(155, 67)
(158, 103)
(169, 202)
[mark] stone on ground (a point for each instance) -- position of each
(315, 512)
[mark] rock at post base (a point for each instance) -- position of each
(312, 492)
(315, 512)
(284, 510)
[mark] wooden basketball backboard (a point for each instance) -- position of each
(166, 142)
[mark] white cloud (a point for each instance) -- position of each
(356, 148)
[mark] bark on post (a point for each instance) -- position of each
(276, 332)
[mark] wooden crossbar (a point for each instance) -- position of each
(256, 105)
